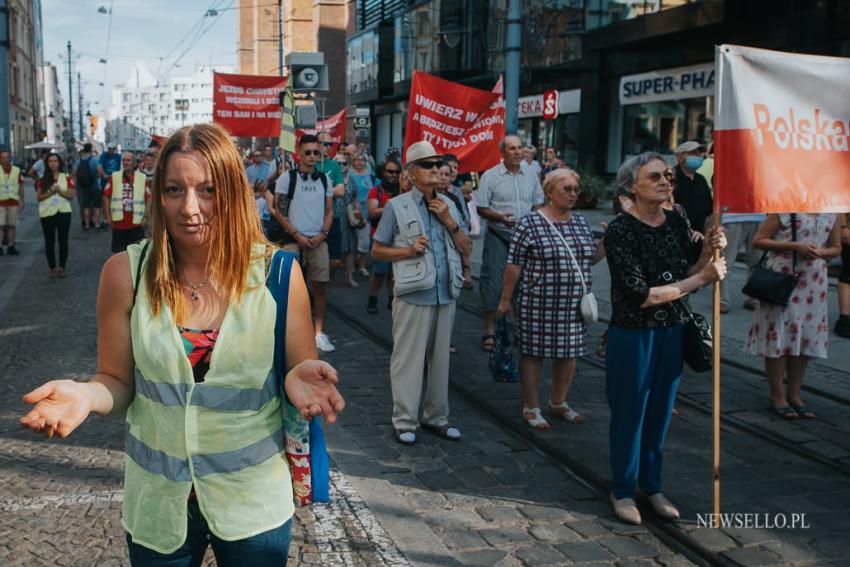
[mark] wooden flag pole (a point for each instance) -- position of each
(715, 370)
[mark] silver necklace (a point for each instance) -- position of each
(195, 287)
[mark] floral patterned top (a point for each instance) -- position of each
(198, 346)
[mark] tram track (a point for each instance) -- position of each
(732, 421)
(669, 533)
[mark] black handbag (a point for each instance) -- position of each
(697, 341)
(769, 285)
(503, 363)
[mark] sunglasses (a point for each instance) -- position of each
(429, 164)
(656, 176)
(343, 163)
(392, 171)
(312, 153)
(327, 144)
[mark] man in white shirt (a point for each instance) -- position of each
(304, 208)
(505, 195)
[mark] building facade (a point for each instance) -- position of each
(52, 108)
(142, 107)
(21, 57)
(603, 58)
(308, 25)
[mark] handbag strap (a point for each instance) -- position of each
(569, 250)
(793, 252)
(139, 270)
(278, 284)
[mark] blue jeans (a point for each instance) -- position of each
(268, 549)
(643, 371)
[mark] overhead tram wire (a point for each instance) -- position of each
(192, 36)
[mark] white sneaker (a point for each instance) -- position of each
(323, 343)
(364, 271)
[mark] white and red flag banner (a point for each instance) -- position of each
(781, 133)
(456, 119)
(333, 125)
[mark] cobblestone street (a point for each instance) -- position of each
(495, 498)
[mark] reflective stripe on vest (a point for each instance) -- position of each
(9, 185)
(224, 436)
(56, 204)
(116, 202)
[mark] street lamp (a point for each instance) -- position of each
(211, 13)
(102, 10)
(51, 115)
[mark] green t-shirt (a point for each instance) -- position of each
(333, 170)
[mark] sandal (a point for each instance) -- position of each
(565, 412)
(803, 411)
(445, 431)
(785, 412)
(537, 422)
(488, 343)
(405, 436)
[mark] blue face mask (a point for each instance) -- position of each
(694, 162)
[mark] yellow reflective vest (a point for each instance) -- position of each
(116, 202)
(9, 186)
(223, 435)
(55, 203)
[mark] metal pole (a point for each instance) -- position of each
(80, 105)
(513, 52)
(71, 140)
(280, 38)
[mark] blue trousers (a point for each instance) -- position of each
(643, 371)
(268, 549)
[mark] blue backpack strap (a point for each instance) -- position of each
(278, 284)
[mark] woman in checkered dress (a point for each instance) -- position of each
(548, 294)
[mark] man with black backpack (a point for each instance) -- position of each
(303, 206)
(88, 188)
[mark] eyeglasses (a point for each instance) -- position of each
(429, 164)
(312, 153)
(327, 144)
(572, 189)
(655, 176)
(392, 171)
(343, 163)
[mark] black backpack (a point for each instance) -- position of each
(85, 177)
(276, 233)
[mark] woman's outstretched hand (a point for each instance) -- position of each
(60, 407)
(311, 388)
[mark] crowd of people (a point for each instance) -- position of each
(408, 224)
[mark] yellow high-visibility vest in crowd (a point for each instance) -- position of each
(223, 435)
(55, 203)
(116, 203)
(9, 186)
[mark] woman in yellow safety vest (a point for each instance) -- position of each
(186, 336)
(54, 191)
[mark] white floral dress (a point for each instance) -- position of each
(802, 328)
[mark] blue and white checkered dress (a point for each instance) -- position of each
(547, 301)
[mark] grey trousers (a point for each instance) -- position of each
(421, 336)
(739, 235)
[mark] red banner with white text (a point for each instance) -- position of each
(248, 105)
(333, 125)
(456, 119)
(783, 126)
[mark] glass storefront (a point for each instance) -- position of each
(662, 126)
(600, 13)
(561, 134)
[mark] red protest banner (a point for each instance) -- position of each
(248, 105)
(334, 125)
(456, 119)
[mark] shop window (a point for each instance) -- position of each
(662, 126)
(600, 13)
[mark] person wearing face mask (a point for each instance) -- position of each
(692, 190)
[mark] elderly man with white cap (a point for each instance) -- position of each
(421, 234)
(692, 190)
